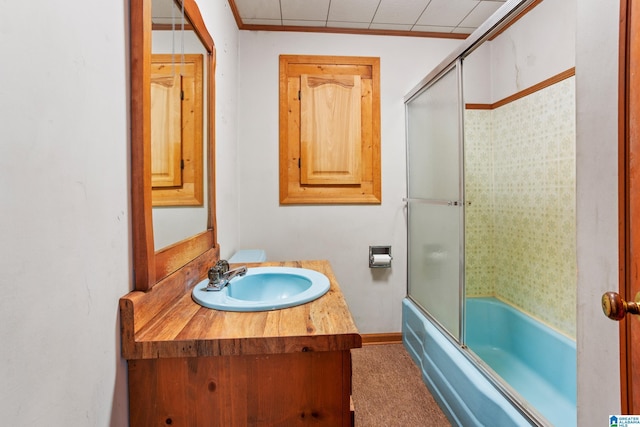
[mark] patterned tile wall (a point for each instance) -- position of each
(520, 225)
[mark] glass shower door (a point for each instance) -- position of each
(434, 203)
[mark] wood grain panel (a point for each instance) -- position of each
(166, 137)
(142, 221)
(292, 189)
(144, 258)
(629, 164)
(167, 323)
(367, 31)
(189, 191)
(384, 338)
(329, 66)
(173, 257)
(265, 390)
(330, 129)
(626, 386)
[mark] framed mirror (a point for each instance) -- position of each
(178, 126)
(154, 262)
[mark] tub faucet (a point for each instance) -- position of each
(220, 275)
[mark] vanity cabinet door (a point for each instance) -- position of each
(289, 389)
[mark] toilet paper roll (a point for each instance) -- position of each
(380, 260)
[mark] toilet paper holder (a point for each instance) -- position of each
(380, 256)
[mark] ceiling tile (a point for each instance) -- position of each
(464, 30)
(480, 14)
(316, 10)
(446, 12)
(303, 23)
(399, 11)
(258, 9)
(342, 24)
(459, 16)
(432, 29)
(397, 27)
(353, 10)
(277, 22)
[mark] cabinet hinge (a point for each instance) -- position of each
(299, 96)
(299, 163)
(181, 163)
(181, 95)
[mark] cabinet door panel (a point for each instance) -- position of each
(330, 129)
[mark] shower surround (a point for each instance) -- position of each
(520, 224)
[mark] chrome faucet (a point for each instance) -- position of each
(220, 275)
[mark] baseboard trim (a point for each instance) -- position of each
(385, 338)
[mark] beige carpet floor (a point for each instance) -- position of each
(388, 390)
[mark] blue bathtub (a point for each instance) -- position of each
(511, 342)
(538, 362)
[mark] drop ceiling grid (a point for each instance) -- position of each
(461, 16)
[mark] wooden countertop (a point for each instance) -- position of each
(166, 322)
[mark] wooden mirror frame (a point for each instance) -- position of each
(188, 255)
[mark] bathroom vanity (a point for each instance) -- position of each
(194, 366)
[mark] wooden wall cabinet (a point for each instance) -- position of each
(329, 130)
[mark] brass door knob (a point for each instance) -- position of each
(614, 307)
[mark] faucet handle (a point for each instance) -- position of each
(222, 266)
(217, 272)
(220, 276)
(214, 275)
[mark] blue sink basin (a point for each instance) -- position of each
(264, 288)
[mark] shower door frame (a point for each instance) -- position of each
(504, 17)
(456, 203)
(509, 13)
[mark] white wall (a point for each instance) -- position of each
(65, 219)
(597, 208)
(64, 251)
(223, 29)
(539, 46)
(341, 234)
